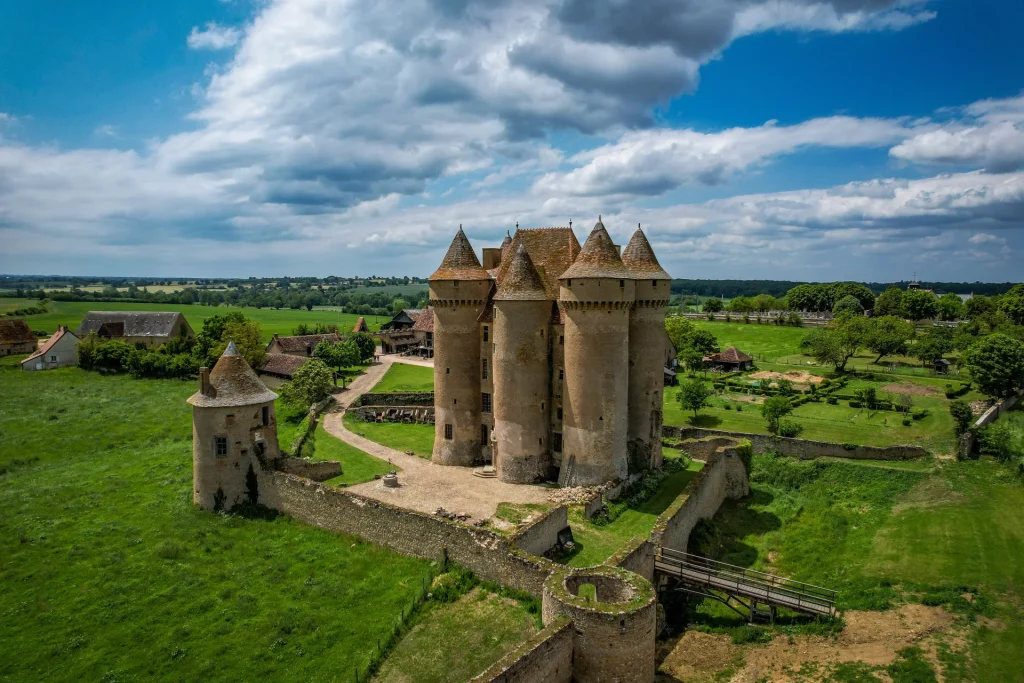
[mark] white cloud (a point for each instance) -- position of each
(105, 131)
(826, 16)
(213, 37)
(986, 237)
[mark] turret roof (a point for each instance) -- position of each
(521, 281)
(460, 263)
(232, 383)
(640, 259)
(598, 258)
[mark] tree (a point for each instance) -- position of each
(713, 306)
(888, 336)
(703, 342)
(890, 302)
(679, 330)
(920, 305)
(366, 344)
(905, 402)
(848, 304)
(693, 360)
(934, 345)
(996, 363)
(1012, 304)
(210, 337)
(311, 384)
(740, 304)
(840, 290)
(248, 338)
(693, 395)
(338, 355)
(979, 307)
(774, 409)
(762, 303)
(398, 305)
(837, 345)
(962, 415)
(951, 307)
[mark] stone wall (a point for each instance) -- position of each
(407, 414)
(546, 657)
(542, 535)
(991, 415)
(315, 411)
(317, 471)
(804, 449)
(724, 476)
(636, 556)
(593, 506)
(409, 398)
(490, 556)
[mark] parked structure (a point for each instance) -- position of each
(151, 328)
(16, 337)
(550, 363)
(300, 345)
(59, 351)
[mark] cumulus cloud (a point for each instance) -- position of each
(213, 37)
(986, 237)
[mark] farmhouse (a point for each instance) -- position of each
(403, 320)
(300, 345)
(16, 337)
(149, 328)
(411, 331)
(280, 368)
(59, 351)
(731, 359)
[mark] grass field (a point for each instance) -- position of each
(356, 466)
(110, 573)
(281, 321)
(401, 377)
(418, 438)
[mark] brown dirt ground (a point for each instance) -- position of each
(800, 378)
(911, 389)
(870, 637)
(744, 398)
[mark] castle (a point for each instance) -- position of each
(549, 358)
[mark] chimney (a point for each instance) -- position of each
(204, 381)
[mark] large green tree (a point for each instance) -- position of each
(1012, 304)
(890, 302)
(979, 307)
(713, 305)
(848, 304)
(932, 346)
(888, 336)
(693, 395)
(920, 305)
(951, 307)
(311, 384)
(774, 409)
(248, 338)
(996, 363)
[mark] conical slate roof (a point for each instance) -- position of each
(460, 263)
(521, 282)
(232, 383)
(640, 259)
(598, 258)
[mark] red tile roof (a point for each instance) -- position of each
(57, 336)
(731, 355)
(639, 257)
(425, 320)
(598, 258)
(521, 281)
(460, 263)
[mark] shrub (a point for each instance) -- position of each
(739, 409)
(789, 428)
(728, 406)
(855, 404)
(832, 400)
(906, 422)
(962, 415)
(920, 414)
(997, 440)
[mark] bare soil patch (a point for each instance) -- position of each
(744, 398)
(911, 389)
(800, 378)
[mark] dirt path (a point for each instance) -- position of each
(424, 486)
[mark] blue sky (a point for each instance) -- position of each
(794, 139)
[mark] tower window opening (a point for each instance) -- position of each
(483, 435)
(540, 441)
(654, 283)
(487, 333)
(556, 442)
(448, 432)
(559, 413)
(265, 415)
(220, 446)
(483, 368)
(561, 373)
(561, 339)
(455, 401)
(447, 371)
(542, 332)
(542, 405)
(485, 400)
(622, 283)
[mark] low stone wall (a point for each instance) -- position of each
(542, 535)
(407, 414)
(315, 411)
(702, 449)
(724, 476)
(636, 556)
(409, 398)
(991, 415)
(593, 506)
(317, 471)
(804, 449)
(490, 556)
(546, 657)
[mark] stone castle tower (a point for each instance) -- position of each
(234, 430)
(549, 357)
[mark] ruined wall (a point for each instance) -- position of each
(593, 506)
(966, 444)
(636, 556)
(490, 556)
(546, 657)
(724, 476)
(805, 449)
(317, 471)
(408, 398)
(542, 534)
(408, 414)
(647, 373)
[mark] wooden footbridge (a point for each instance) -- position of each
(737, 587)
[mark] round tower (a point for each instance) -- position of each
(522, 321)
(596, 293)
(647, 340)
(458, 292)
(234, 433)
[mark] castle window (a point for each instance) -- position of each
(448, 432)
(266, 415)
(559, 413)
(487, 333)
(230, 419)
(556, 442)
(220, 446)
(622, 283)
(542, 332)
(483, 368)
(542, 404)
(486, 400)
(561, 339)
(53, 359)
(483, 435)
(654, 283)
(561, 373)
(447, 371)
(568, 283)
(540, 441)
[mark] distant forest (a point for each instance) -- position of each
(730, 289)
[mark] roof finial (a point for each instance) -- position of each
(570, 224)
(517, 225)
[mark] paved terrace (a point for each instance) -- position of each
(424, 486)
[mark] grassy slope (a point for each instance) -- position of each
(398, 435)
(454, 642)
(402, 377)
(356, 466)
(110, 572)
(281, 321)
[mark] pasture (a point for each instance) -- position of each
(401, 378)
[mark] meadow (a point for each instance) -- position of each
(402, 377)
(110, 573)
(418, 438)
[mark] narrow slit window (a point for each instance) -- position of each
(483, 435)
(556, 442)
(487, 333)
(448, 432)
(559, 413)
(483, 368)
(485, 402)
(266, 415)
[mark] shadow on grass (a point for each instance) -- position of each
(704, 421)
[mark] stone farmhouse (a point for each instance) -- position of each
(16, 337)
(549, 358)
(149, 328)
(59, 351)
(280, 368)
(411, 331)
(300, 345)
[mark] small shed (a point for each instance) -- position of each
(731, 359)
(942, 366)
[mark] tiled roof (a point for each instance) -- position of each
(552, 251)
(521, 281)
(639, 257)
(731, 355)
(283, 364)
(133, 324)
(598, 258)
(302, 342)
(460, 263)
(232, 383)
(57, 336)
(15, 331)
(360, 325)
(425, 320)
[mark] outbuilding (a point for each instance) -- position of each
(59, 351)
(16, 337)
(731, 359)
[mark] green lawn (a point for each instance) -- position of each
(402, 377)
(595, 544)
(356, 466)
(454, 642)
(281, 321)
(110, 573)
(418, 438)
